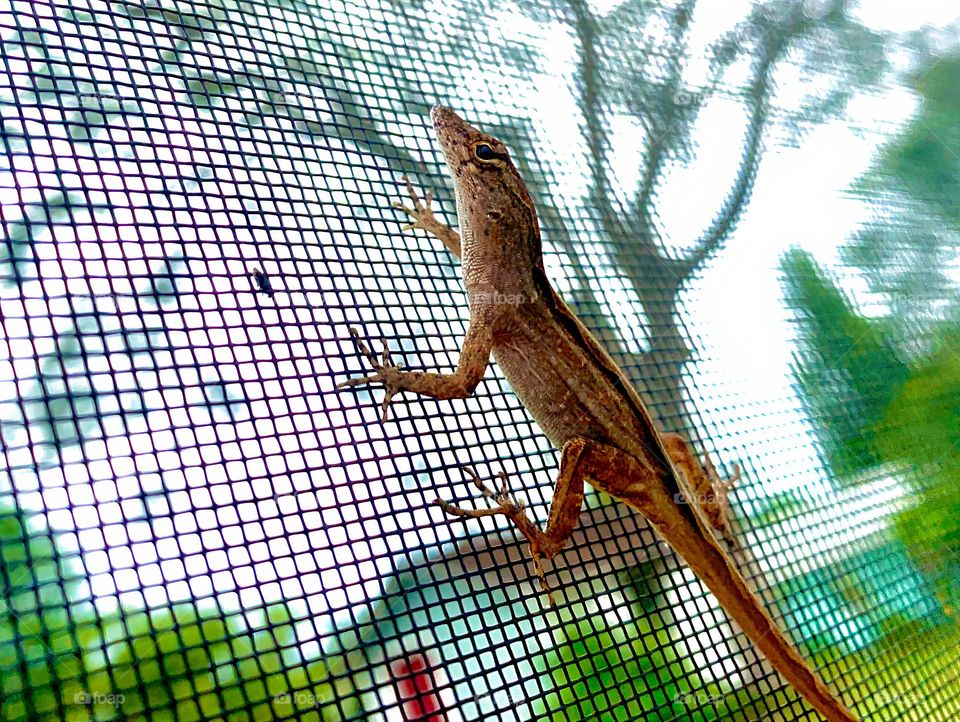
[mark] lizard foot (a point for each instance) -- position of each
(385, 372)
(421, 213)
(505, 501)
(718, 507)
(508, 506)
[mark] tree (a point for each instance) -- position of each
(618, 73)
(905, 251)
(920, 432)
(886, 390)
(847, 370)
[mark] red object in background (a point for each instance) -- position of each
(419, 699)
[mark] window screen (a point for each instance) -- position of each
(752, 206)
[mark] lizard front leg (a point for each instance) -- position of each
(422, 215)
(474, 356)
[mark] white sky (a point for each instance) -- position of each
(895, 16)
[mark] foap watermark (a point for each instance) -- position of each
(100, 299)
(491, 296)
(99, 294)
(100, 101)
(289, 98)
(782, 11)
(778, 11)
(700, 500)
(700, 698)
(501, 699)
(684, 98)
(114, 699)
(890, 698)
(299, 699)
(817, 9)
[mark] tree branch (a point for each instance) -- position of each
(602, 194)
(774, 40)
(736, 199)
(656, 152)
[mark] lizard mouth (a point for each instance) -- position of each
(453, 132)
(445, 121)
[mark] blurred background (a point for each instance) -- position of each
(753, 204)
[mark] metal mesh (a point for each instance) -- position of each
(196, 198)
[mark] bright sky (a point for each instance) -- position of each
(895, 16)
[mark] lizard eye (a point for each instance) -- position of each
(484, 152)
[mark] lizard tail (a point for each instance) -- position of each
(691, 539)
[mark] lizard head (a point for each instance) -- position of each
(480, 163)
(498, 222)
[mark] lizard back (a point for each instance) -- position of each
(569, 383)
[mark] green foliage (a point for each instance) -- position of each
(65, 659)
(625, 671)
(923, 161)
(846, 369)
(921, 432)
(607, 671)
(887, 390)
(780, 507)
(905, 252)
(602, 672)
(870, 408)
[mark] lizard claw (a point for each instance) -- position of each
(422, 211)
(717, 506)
(366, 351)
(734, 477)
(385, 372)
(506, 503)
(508, 506)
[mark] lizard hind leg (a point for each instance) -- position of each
(508, 506)
(710, 492)
(564, 511)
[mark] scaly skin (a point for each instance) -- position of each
(582, 400)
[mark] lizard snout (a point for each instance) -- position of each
(442, 117)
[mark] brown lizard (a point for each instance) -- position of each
(575, 391)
